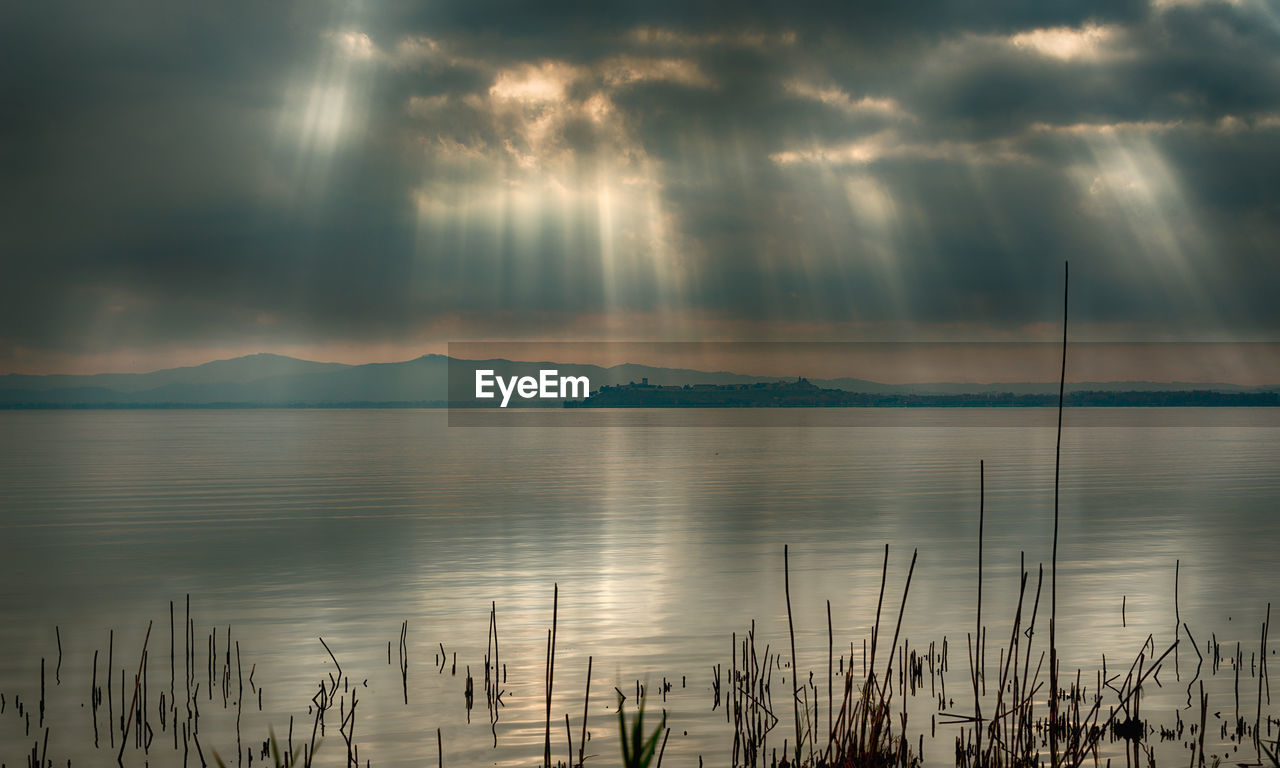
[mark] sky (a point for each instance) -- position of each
(369, 181)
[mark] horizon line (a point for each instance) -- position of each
(731, 372)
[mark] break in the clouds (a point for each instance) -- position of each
(344, 175)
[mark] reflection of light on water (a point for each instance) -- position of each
(664, 541)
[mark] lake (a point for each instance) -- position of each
(663, 541)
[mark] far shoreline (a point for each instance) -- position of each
(1086, 399)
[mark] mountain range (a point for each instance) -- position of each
(275, 380)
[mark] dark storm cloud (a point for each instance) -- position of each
(250, 174)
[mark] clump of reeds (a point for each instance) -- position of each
(862, 733)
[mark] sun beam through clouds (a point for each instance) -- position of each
(379, 174)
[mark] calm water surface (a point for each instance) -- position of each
(289, 526)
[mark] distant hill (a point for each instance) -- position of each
(234, 371)
(275, 380)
